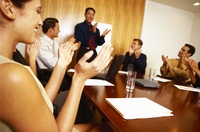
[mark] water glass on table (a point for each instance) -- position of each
(130, 68)
(130, 81)
(152, 74)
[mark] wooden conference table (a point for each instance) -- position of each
(183, 104)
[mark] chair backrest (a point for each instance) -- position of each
(18, 57)
(115, 66)
(43, 74)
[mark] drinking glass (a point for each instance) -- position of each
(130, 82)
(130, 69)
(152, 74)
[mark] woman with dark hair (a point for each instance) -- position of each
(25, 104)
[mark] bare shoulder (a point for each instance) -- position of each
(22, 104)
(13, 74)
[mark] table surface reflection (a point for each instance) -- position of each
(183, 104)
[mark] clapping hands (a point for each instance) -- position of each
(193, 65)
(33, 49)
(65, 53)
(105, 32)
(87, 70)
(165, 60)
(76, 45)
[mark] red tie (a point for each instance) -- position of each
(91, 43)
(91, 40)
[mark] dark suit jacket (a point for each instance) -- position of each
(139, 64)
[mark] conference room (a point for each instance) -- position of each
(164, 29)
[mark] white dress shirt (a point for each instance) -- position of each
(48, 53)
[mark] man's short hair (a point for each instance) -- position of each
(89, 8)
(191, 49)
(139, 41)
(49, 23)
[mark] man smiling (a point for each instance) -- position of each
(89, 35)
(176, 68)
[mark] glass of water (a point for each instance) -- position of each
(152, 74)
(130, 81)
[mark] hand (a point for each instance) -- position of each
(131, 50)
(194, 65)
(95, 28)
(138, 53)
(65, 53)
(71, 39)
(33, 49)
(184, 60)
(105, 32)
(76, 45)
(87, 70)
(165, 60)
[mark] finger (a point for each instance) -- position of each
(104, 55)
(108, 31)
(72, 39)
(85, 57)
(95, 25)
(68, 46)
(27, 47)
(37, 41)
(76, 46)
(103, 51)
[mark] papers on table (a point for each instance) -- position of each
(187, 88)
(94, 82)
(137, 108)
(162, 79)
(97, 82)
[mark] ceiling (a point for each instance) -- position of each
(181, 4)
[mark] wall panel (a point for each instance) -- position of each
(125, 16)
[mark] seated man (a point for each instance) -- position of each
(194, 67)
(48, 53)
(135, 57)
(176, 68)
(48, 57)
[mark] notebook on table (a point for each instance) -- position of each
(147, 83)
(113, 69)
(138, 108)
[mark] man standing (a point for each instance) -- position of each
(176, 68)
(89, 35)
(135, 57)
